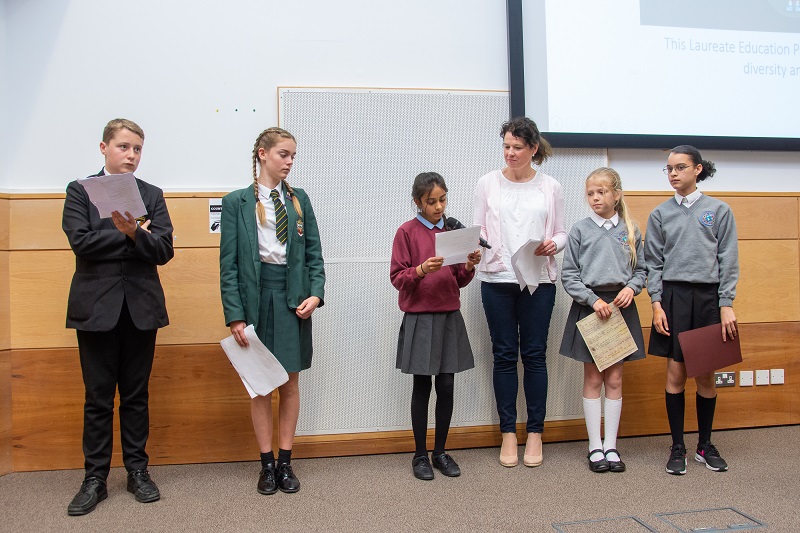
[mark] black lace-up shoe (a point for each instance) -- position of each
(267, 484)
(144, 488)
(93, 491)
(446, 465)
(421, 467)
(287, 481)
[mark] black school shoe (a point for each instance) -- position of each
(598, 466)
(142, 487)
(614, 466)
(677, 460)
(93, 491)
(287, 481)
(708, 454)
(267, 482)
(446, 465)
(421, 467)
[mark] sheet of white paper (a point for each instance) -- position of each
(457, 244)
(258, 369)
(114, 192)
(528, 266)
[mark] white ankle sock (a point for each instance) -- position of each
(613, 411)
(592, 414)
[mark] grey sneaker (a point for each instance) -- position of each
(677, 460)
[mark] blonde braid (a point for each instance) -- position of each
(295, 201)
(266, 140)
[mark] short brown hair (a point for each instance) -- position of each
(117, 124)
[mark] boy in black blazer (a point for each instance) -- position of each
(116, 305)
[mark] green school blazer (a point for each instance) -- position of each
(240, 264)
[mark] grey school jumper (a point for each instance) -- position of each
(597, 257)
(700, 242)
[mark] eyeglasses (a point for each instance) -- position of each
(678, 168)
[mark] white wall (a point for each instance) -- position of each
(736, 170)
(4, 126)
(181, 68)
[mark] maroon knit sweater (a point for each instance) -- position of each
(438, 291)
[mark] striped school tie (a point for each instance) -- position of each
(281, 223)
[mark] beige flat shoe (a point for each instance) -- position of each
(509, 454)
(533, 450)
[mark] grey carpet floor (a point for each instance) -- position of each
(379, 493)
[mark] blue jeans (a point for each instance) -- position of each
(518, 324)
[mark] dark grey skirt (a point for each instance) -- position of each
(433, 343)
(573, 345)
(286, 335)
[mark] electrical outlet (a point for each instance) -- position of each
(776, 376)
(725, 379)
(762, 377)
(745, 378)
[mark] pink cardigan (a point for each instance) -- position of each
(487, 216)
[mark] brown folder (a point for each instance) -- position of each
(704, 351)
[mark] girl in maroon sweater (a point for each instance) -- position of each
(433, 338)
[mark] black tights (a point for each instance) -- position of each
(419, 411)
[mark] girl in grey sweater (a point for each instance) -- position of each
(692, 258)
(603, 266)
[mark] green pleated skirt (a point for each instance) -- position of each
(286, 335)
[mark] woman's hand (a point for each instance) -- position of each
(660, 319)
(237, 330)
(601, 308)
(305, 309)
(473, 259)
(729, 327)
(548, 247)
(624, 298)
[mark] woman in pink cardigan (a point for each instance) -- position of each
(514, 205)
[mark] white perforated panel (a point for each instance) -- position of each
(358, 153)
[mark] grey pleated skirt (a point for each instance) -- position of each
(572, 343)
(286, 335)
(433, 343)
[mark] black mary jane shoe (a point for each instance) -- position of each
(614, 466)
(598, 466)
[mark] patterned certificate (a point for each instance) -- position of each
(609, 340)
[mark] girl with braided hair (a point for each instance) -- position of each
(272, 275)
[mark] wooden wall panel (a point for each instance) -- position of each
(191, 286)
(748, 211)
(764, 347)
(5, 205)
(38, 297)
(5, 302)
(6, 462)
(765, 292)
(190, 218)
(36, 224)
(200, 412)
(40, 288)
(769, 283)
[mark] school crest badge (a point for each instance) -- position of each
(300, 228)
(707, 218)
